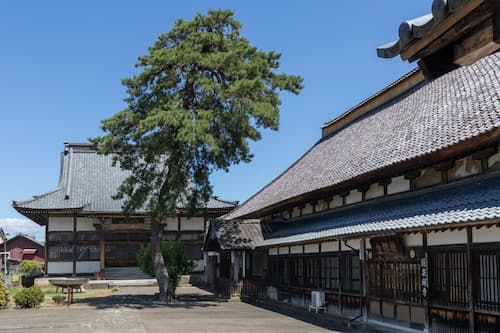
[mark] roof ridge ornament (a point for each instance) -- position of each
(456, 33)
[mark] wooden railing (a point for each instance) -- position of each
(248, 287)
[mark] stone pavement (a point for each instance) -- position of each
(132, 310)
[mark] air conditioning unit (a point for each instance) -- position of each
(317, 301)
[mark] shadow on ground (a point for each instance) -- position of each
(326, 321)
(142, 298)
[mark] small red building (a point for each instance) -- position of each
(22, 247)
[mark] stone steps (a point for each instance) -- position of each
(125, 273)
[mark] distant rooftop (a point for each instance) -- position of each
(87, 182)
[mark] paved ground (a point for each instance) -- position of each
(133, 310)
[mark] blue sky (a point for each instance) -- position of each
(62, 62)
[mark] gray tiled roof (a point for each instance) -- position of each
(90, 180)
(237, 235)
(456, 107)
(476, 200)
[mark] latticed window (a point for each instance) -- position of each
(486, 272)
(448, 269)
(60, 252)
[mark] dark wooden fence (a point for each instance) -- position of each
(248, 287)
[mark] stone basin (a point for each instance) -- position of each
(68, 282)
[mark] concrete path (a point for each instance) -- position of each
(132, 310)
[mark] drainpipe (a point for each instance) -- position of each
(360, 289)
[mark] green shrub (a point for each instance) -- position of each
(29, 297)
(175, 259)
(59, 299)
(115, 289)
(4, 296)
(28, 267)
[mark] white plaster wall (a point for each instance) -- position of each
(60, 224)
(322, 205)
(308, 209)
(398, 184)
(447, 237)
(273, 251)
(194, 223)
(296, 249)
(375, 191)
(330, 246)
(295, 212)
(85, 224)
(353, 197)
(311, 248)
(486, 235)
(59, 267)
(283, 250)
(494, 160)
(355, 243)
(172, 224)
(199, 266)
(336, 202)
(464, 167)
(88, 266)
(412, 240)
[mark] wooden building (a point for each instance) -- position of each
(86, 231)
(22, 247)
(395, 212)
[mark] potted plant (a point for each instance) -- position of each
(29, 270)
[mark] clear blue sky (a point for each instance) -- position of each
(62, 62)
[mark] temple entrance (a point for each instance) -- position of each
(394, 290)
(121, 248)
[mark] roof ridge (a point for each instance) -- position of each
(36, 197)
(371, 97)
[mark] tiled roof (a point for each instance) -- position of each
(236, 235)
(454, 108)
(477, 200)
(88, 181)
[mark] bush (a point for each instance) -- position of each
(29, 267)
(59, 299)
(4, 296)
(175, 259)
(29, 297)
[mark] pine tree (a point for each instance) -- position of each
(203, 92)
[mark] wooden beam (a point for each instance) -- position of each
(476, 45)
(438, 63)
(444, 26)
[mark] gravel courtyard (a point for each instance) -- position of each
(131, 310)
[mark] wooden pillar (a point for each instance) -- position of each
(102, 252)
(424, 267)
(74, 245)
(178, 236)
(47, 247)
(364, 277)
(470, 289)
(339, 271)
(244, 264)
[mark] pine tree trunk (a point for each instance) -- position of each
(160, 269)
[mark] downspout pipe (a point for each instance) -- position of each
(360, 289)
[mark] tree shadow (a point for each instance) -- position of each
(138, 301)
